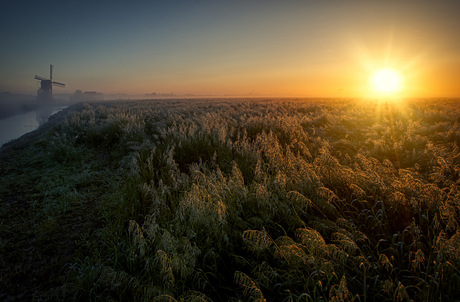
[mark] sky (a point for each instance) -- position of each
(267, 48)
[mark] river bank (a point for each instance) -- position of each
(47, 212)
(17, 125)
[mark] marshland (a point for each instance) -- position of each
(234, 200)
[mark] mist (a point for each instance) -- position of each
(13, 104)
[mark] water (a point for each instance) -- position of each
(18, 125)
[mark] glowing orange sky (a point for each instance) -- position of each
(292, 48)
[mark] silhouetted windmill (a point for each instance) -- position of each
(45, 93)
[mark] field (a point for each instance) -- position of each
(235, 200)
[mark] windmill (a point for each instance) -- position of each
(45, 93)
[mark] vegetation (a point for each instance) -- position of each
(254, 200)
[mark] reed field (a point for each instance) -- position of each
(235, 200)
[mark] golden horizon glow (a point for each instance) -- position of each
(239, 48)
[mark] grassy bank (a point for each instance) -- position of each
(295, 200)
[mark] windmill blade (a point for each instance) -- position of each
(40, 78)
(59, 84)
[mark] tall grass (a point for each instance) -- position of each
(294, 200)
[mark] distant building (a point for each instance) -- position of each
(154, 94)
(87, 96)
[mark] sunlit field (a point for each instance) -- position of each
(235, 200)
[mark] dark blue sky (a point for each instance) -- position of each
(230, 47)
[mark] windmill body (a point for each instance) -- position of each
(45, 93)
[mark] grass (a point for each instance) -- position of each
(283, 200)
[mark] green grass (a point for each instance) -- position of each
(282, 200)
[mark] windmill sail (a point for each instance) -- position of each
(59, 84)
(40, 78)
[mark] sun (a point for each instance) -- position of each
(386, 81)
